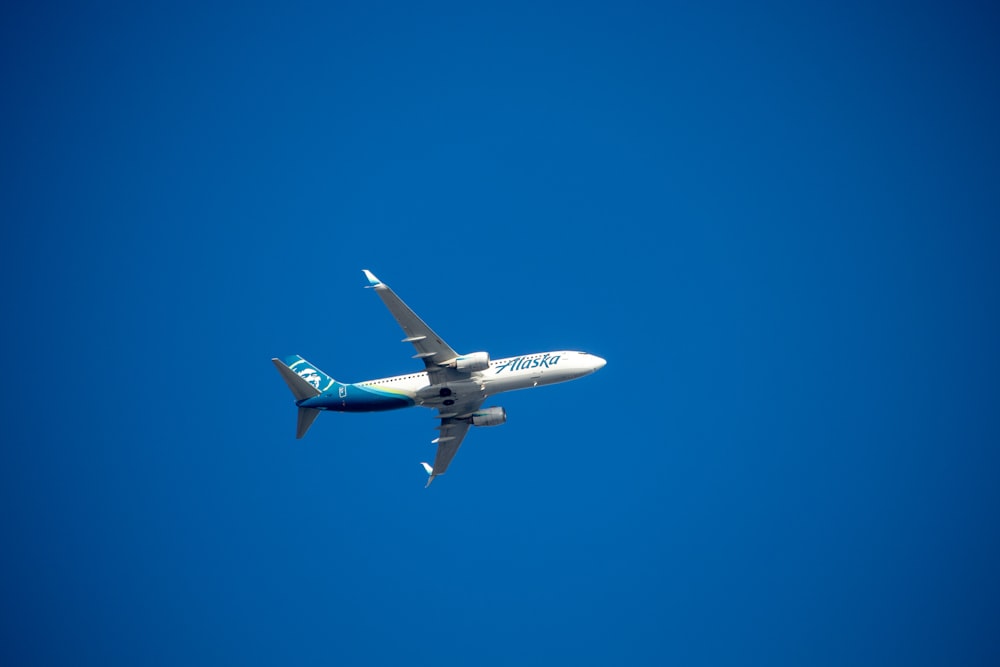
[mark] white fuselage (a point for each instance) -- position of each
(508, 374)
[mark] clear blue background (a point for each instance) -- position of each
(778, 224)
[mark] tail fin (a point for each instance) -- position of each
(308, 372)
(305, 381)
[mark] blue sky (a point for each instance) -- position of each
(777, 223)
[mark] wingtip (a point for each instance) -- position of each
(372, 280)
(430, 473)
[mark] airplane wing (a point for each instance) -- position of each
(454, 426)
(430, 347)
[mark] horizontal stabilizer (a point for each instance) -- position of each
(300, 388)
(306, 417)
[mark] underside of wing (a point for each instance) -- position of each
(455, 422)
(430, 347)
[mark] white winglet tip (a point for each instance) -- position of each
(430, 473)
(371, 278)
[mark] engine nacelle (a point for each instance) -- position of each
(470, 363)
(489, 417)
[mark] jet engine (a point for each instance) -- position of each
(470, 363)
(489, 417)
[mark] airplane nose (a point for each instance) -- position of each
(598, 363)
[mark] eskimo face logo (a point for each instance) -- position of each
(311, 376)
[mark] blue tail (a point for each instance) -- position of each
(308, 372)
(306, 381)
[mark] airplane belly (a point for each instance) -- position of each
(450, 393)
(368, 399)
(495, 385)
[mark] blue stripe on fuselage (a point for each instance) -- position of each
(352, 398)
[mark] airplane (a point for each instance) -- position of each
(456, 385)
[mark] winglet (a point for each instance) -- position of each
(374, 282)
(430, 473)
